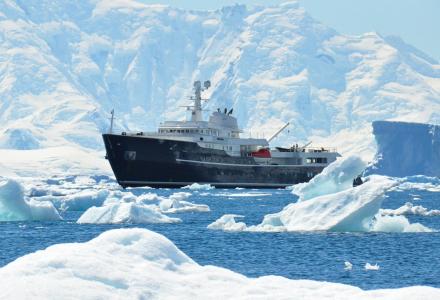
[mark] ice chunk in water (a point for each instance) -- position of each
(124, 212)
(228, 223)
(14, 206)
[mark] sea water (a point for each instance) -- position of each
(405, 259)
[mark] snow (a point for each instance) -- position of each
(123, 212)
(410, 209)
(406, 149)
(140, 264)
(64, 66)
(15, 207)
(336, 177)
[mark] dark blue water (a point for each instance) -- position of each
(405, 258)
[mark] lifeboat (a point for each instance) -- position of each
(261, 153)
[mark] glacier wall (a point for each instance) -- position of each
(406, 149)
(65, 65)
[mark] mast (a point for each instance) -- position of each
(196, 114)
(111, 121)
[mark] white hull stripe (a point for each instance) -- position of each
(243, 165)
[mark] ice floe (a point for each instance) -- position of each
(411, 209)
(125, 207)
(352, 210)
(397, 224)
(198, 186)
(370, 267)
(140, 264)
(125, 213)
(15, 207)
(176, 203)
(336, 177)
(228, 223)
(348, 266)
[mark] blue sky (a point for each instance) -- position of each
(416, 21)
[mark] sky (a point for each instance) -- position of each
(415, 21)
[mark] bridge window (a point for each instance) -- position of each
(317, 160)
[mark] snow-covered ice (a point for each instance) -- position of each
(125, 213)
(228, 223)
(15, 207)
(336, 177)
(140, 264)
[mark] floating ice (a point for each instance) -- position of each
(348, 266)
(176, 203)
(81, 200)
(397, 224)
(140, 264)
(354, 209)
(411, 209)
(350, 210)
(238, 195)
(370, 267)
(197, 186)
(227, 223)
(125, 213)
(14, 206)
(336, 177)
(420, 182)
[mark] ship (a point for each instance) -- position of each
(181, 153)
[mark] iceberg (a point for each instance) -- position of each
(228, 223)
(124, 212)
(140, 264)
(15, 207)
(349, 210)
(406, 149)
(356, 209)
(82, 200)
(336, 177)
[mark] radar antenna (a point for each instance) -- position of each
(196, 114)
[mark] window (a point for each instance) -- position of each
(317, 160)
(130, 155)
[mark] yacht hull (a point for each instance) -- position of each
(147, 161)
